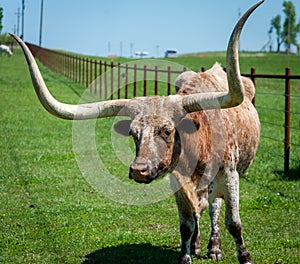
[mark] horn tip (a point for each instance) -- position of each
(14, 36)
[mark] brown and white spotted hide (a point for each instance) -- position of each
(205, 152)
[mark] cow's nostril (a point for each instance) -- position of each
(139, 169)
(144, 171)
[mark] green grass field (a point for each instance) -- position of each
(50, 214)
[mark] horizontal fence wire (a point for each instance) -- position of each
(295, 144)
(274, 139)
(271, 153)
(269, 108)
(271, 94)
(93, 73)
(271, 124)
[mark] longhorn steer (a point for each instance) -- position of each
(6, 49)
(206, 136)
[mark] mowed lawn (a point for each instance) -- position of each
(50, 214)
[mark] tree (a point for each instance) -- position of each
(1, 16)
(276, 24)
(287, 33)
(290, 28)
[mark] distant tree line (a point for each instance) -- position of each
(286, 32)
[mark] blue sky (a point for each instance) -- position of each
(89, 26)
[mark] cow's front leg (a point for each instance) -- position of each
(188, 228)
(214, 245)
(196, 239)
(232, 216)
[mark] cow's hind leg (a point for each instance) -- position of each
(232, 217)
(214, 245)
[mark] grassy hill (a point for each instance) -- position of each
(266, 63)
(50, 214)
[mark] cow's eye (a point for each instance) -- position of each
(166, 133)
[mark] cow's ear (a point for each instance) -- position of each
(122, 127)
(187, 125)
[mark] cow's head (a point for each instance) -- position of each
(156, 122)
(157, 129)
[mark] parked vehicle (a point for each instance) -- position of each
(171, 53)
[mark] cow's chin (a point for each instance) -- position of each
(148, 179)
(145, 182)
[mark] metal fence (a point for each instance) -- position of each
(287, 77)
(85, 70)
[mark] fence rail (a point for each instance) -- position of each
(84, 71)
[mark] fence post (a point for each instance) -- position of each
(126, 81)
(119, 80)
(61, 65)
(253, 72)
(79, 70)
(145, 80)
(105, 80)
(69, 66)
(112, 80)
(87, 73)
(91, 74)
(55, 62)
(287, 120)
(169, 80)
(134, 80)
(73, 65)
(76, 68)
(65, 65)
(100, 79)
(95, 76)
(156, 81)
(82, 70)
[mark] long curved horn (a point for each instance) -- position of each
(67, 111)
(235, 94)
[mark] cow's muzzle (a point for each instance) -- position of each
(142, 172)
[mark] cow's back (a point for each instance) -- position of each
(212, 80)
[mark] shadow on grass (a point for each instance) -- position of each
(292, 175)
(135, 254)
